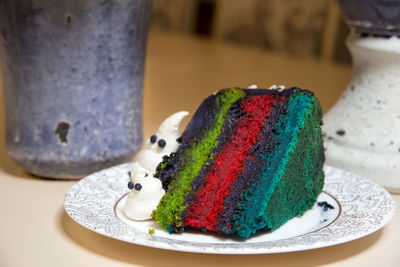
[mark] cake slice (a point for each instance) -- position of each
(249, 159)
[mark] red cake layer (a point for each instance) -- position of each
(228, 163)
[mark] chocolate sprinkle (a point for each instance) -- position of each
(131, 185)
(161, 143)
(138, 186)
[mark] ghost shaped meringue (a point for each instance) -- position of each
(164, 142)
(146, 192)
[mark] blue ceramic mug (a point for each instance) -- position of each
(73, 75)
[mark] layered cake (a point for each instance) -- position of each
(249, 160)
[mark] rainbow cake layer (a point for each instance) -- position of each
(250, 159)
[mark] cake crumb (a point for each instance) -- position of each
(325, 205)
(277, 87)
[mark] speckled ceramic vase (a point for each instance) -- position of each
(362, 129)
(73, 75)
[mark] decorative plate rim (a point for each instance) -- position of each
(365, 208)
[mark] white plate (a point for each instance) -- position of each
(361, 207)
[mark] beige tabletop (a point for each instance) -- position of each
(180, 72)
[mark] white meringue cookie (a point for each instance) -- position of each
(140, 203)
(152, 155)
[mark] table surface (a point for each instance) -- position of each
(180, 72)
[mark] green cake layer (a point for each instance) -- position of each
(171, 207)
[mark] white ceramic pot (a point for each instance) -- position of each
(362, 131)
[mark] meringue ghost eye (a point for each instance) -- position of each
(161, 143)
(153, 139)
(131, 185)
(138, 186)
